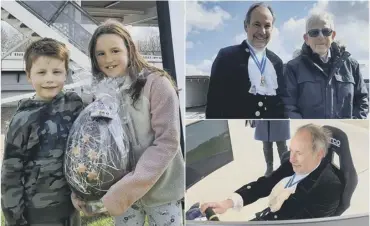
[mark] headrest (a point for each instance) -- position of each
(340, 145)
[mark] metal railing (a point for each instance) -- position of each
(67, 18)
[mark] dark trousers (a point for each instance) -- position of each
(268, 148)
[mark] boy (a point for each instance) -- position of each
(33, 188)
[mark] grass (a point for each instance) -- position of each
(100, 220)
(209, 148)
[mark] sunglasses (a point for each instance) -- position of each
(315, 32)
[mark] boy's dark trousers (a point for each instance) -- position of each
(73, 220)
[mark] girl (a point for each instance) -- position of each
(155, 187)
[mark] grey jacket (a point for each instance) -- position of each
(272, 130)
(314, 89)
(33, 186)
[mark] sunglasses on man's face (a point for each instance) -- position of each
(313, 33)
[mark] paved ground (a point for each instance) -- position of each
(6, 114)
(249, 164)
(195, 113)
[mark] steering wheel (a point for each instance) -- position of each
(211, 215)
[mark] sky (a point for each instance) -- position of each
(211, 26)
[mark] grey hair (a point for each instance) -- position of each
(248, 16)
(320, 136)
(317, 17)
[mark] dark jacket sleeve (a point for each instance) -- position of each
(280, 114)
(12, 176)
(77, 102)
(323, 201)
(262, 187)
(216, 98)
(290, 94)
(361, 102)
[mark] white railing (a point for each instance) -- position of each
(14, 56)
(19, 56)
(14, 61)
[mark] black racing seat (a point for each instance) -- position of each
(346, 171)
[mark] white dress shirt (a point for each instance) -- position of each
(270, 77)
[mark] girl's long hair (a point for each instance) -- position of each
(136, 63)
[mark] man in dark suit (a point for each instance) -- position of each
(304, 187)
(246, 79)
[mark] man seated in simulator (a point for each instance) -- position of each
(304, 187)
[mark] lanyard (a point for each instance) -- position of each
(290, 182)
(261, 65)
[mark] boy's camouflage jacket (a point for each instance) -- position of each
(33, 186)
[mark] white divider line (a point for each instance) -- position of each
(28, 95)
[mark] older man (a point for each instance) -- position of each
(304, 187)
(324, 81)
(246, 78)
